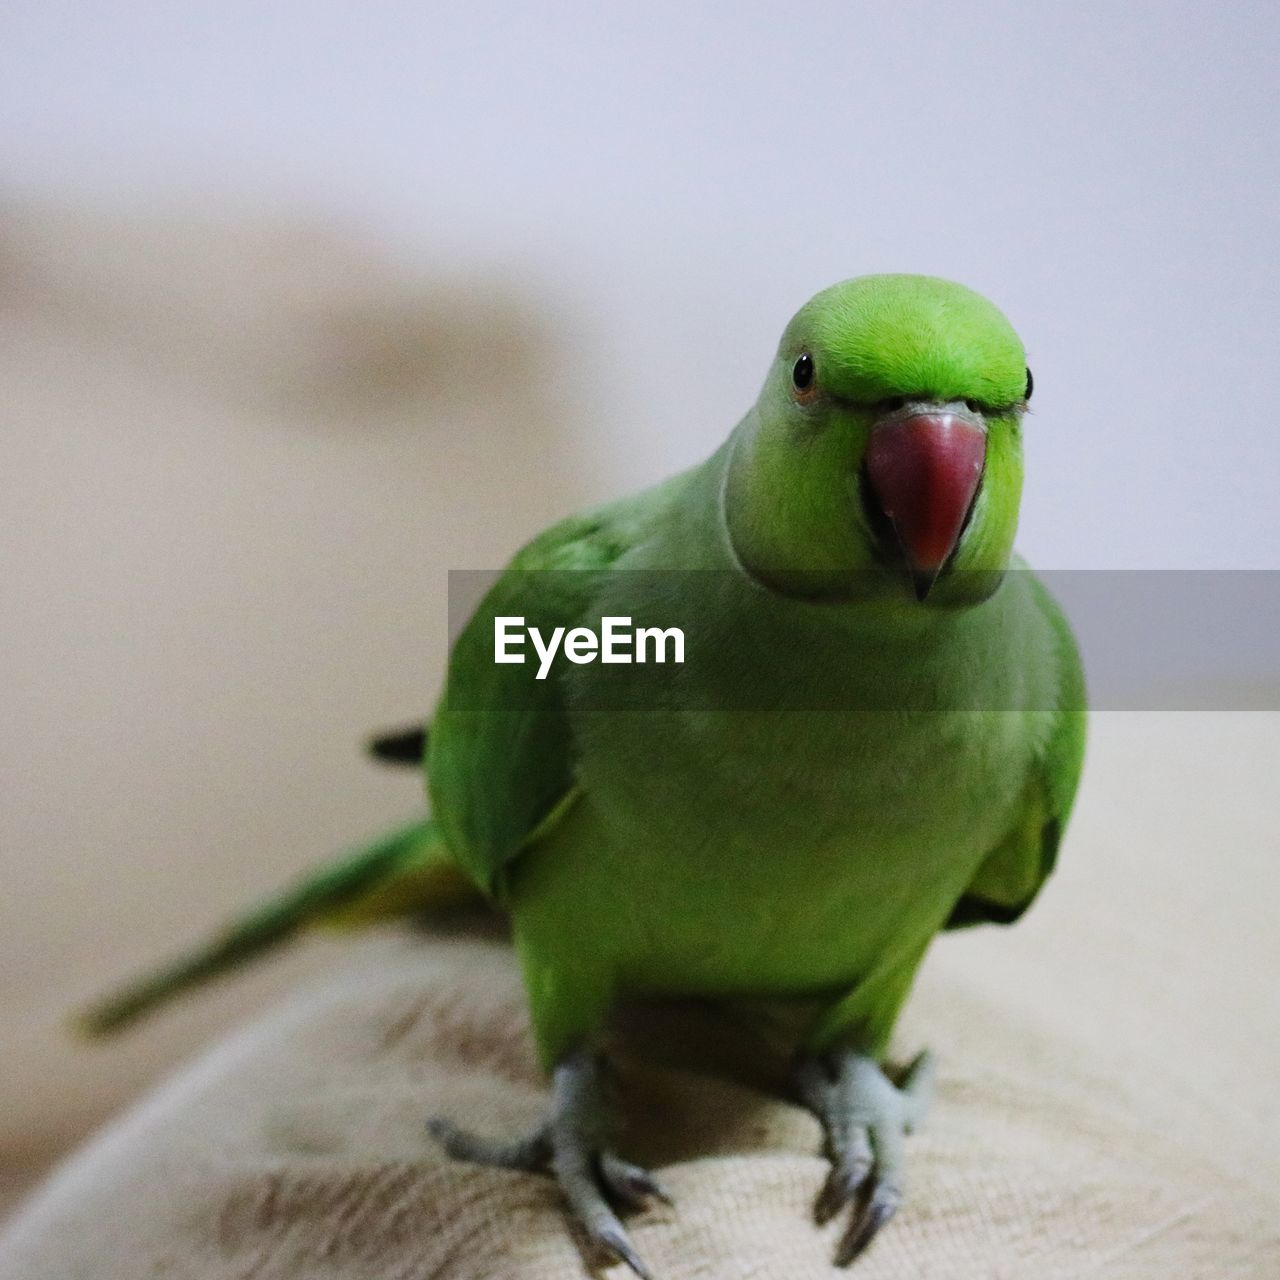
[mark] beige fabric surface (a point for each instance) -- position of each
(1107, 1104)
(238, 461)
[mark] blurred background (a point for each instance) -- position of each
(302, 305)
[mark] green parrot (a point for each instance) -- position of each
(876, 735)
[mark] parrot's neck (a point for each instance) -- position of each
(865, 601)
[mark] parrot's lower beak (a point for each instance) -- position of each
(924, 464)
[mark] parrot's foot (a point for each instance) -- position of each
(865, 1117)
(570, 1145)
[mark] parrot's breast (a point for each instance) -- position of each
(777, 840)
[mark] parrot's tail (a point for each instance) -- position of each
(402, 874)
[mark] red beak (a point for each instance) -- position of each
(924, 469)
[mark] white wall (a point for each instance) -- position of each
(683, 176)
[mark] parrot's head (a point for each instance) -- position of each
(884, 453)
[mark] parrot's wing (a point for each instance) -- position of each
(407, 746)
(1011, 876)
(500, 764)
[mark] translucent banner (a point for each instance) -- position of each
(714, 640)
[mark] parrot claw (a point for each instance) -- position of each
(864, 1228)
(629, 1184)
(616, 1242)
(567, 1145)
(530, 1153)
(864, 1117)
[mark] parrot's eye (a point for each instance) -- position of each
(1031, 383)
(802, 377)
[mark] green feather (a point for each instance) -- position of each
(326, 896)
(836, 774)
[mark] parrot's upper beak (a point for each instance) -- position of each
(924, 464)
